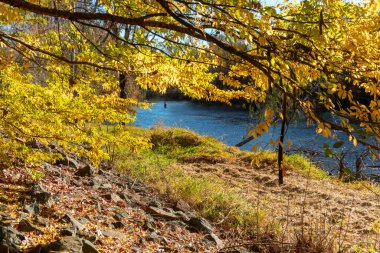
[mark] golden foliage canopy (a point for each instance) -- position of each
(59, 62)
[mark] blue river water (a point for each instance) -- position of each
(231, 126)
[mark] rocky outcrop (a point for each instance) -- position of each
(85, 171)
(160, 213)
(39, 194)
(68, 218)
(10, 239)
(65, 244)
(26, 226)
(100, 205)
(68, 161)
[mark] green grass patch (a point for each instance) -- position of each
(178, 143)
(300, 163)
(294, 162)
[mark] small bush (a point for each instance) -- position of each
(170, 138)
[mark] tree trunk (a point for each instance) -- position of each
(122, 84)
(341, 168)
(280, 157)
(245, 141)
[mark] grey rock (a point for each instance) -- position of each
(39, 194)
(68, 218)
(152, 237)
(52, 169)
(113, 197)
(70, 244)
(148, 225)
(183, 206)
(155, 203)
(76, 182)
(25, 226)
(95, 182)
(10, 239)
(125, 196)
(105, 186)
(86, 171)
(136, 200)
(67, 232)
(83, 220)
(182, 215)
(120, 215)
(200, 224)
(113, 233)
(139, 189)
(135, 185)
(88, 237)
(88, 247)
(177, 223)
(168, 209)
(215, 239)
(158, 212)
(67, 161)
(32, 208)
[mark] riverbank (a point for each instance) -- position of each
(231, 127)
(186, 193)
(238, 190)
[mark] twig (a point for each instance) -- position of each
(368, 188)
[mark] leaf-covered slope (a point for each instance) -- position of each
(93, 211)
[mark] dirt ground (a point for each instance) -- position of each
(327, 210)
